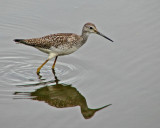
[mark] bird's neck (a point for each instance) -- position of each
(84, 36)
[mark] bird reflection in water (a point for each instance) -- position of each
(61, 96)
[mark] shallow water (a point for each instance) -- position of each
(125, 73)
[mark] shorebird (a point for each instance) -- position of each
(61, 43)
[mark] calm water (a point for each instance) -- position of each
(125, 73)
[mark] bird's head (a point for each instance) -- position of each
(91, 28)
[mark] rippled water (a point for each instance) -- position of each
(125, 73)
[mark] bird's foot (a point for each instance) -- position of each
(38, 74)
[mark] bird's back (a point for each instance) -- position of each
(53, 40)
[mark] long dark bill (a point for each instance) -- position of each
(104, 36)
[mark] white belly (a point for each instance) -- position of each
(63, 51)
(59, 51)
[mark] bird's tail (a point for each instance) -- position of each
(19, 41)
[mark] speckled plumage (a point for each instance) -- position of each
(55, 40)
(61, 43)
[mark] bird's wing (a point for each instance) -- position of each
(54, 40)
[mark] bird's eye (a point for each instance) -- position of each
(91, 28)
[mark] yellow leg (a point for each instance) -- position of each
(39, 68)
(54, 62)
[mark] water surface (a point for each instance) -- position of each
(125, 73)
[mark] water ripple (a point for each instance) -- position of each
(20, 68)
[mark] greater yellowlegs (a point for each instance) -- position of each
(61, 43)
